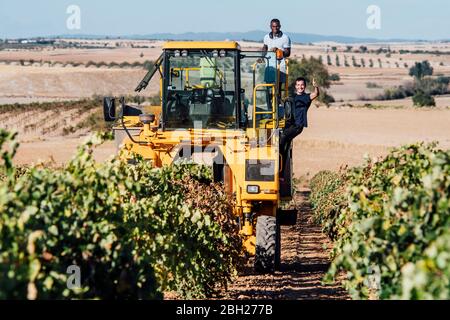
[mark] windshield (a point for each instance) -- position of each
(201, 89)
(258, 68)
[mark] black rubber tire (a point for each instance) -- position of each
(267, 244)
(278, 248)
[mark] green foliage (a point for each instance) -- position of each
(422, 99)
(429, 277)
(395, 220)
(309, 69)
(134, 231)
(422, 90)
(335, 77)
(327, 197)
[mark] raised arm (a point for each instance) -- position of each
(316, 92)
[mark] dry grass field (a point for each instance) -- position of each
(339, 135)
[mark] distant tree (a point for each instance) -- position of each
(372, 85)
(125, 64)
(309, 69)
(334, 49)
(363, 49)
(113, 64)
(421, 69)
(346, 62)
(329, 60)
(349, 49)
(335, 77)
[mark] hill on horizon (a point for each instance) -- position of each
(256, 36)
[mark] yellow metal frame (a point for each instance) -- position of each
(274, 108)
(195, 69)
(201, 45)
(162, 147)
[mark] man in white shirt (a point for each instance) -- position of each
(277, 40)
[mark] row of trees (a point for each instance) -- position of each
(381, 50)
(421, 89)
(358, 63)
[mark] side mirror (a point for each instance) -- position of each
(109, 109)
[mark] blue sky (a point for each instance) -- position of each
(408, 19)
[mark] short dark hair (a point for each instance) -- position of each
(301, 79)
(276, 21)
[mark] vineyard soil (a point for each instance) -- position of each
(304, 262)
(335, 137)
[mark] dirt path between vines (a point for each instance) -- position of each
(304, 262)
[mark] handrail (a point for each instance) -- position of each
(286, 84)
(274, 109)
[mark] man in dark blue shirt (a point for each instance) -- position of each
(302, 102)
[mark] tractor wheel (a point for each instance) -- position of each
(278, 248)
(267, 257)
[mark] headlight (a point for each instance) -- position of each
(252, 189)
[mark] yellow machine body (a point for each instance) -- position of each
(250, 160)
